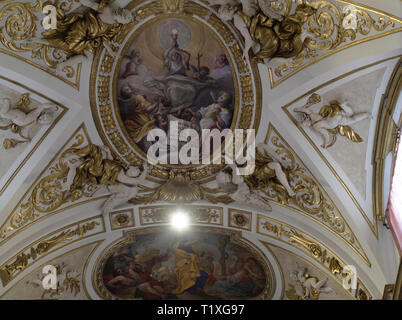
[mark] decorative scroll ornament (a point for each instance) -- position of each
(267, 33)
(310, 199)
(24, 259)
(22, 21)
(49, 192)
(335, 25)
(283, 232)
(333, 119)
(79, 35)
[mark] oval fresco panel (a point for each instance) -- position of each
(183, 75)
(198, 265)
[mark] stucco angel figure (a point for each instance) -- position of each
(126, 189)
(266, 32)
(269, 170)
(80, 34)
(311, 285)
(240, 190)
(20, 122)
(95, 164)
(332, 119)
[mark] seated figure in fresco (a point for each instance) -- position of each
(122, 279)
(136, 110)
(217, 115)
(82, 34)
(246, 281)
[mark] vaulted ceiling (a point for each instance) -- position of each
(334, 221)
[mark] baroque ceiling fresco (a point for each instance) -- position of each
(84, 83)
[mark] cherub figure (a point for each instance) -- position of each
(266, 32)
(332, 119)
(311, 285)
(240, 190)
(82, 34)
(21, 122)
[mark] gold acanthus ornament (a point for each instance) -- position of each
(101, 24)
(81, 34)
(49, 193)
(23, 260)
(300, 32)
(22, 21)
(266, 33)
(333, 24)
(296, 238)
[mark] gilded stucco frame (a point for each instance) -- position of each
(104, 76)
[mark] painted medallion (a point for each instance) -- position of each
(182, 75)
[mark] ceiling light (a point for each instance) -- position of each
(179, 220)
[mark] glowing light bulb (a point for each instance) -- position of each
(179, 221)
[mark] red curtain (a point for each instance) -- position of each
(394, 207)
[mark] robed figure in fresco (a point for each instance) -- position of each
(185, 77)
(187, 267)
(139, 121)
(180, 89)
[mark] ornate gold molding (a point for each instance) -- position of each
(240, 219)
(122, 219)
(97, 243)
(198, 214)
(373, 226)
(104, 79)
(329, 35)
(179, 187)
(46, 196)
(361, 292)
(61, 115)
(311, 199)
(296, 238)
(21, 21)
(385, 138)
(46, 245)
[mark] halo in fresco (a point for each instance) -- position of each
(183, 74)
(200, 265)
